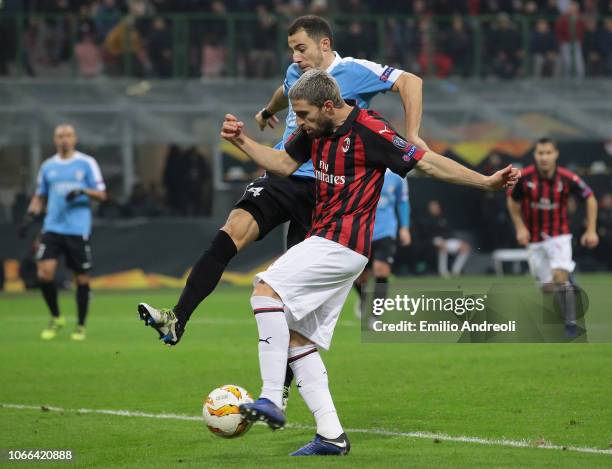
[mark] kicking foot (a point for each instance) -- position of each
(265, 410)
(164, 321)
(325, 447)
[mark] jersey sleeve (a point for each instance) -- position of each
(403, 203)
(387, 148)
(42, 186)
(298, 146)
(579, 188)
(93, 177)
(371, 78)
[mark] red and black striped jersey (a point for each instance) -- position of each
(349, 170)
(544, 201)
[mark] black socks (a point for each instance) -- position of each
(49, 291)
(381, 287)
(205, 275)
(82, 300)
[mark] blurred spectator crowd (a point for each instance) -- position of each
(499, 39)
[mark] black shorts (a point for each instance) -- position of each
(383, 250)
(76, 250)
(273, 200)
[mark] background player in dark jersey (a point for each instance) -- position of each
(271, 201)
(66, 183)
(297, 301)
(538, 208)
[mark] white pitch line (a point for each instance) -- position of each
(371, 431)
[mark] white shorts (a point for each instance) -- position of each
(313, 279)
(553, 253)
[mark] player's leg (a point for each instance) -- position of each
(78, 258)
(273, 352)
(47, 255)
(559, 251)
(312, 381)
(384, 256)
(240, 230)
(440, 245)
(463, 253)
(358, 286)
(253, 217)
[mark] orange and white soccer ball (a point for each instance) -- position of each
(221, 413)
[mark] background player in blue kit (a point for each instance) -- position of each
(271, 200)
(392, 221)
(66, 183)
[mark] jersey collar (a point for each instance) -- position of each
(337, 60)
(344, 128)
(60, 160)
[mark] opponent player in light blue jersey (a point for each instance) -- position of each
(66, 183)
(271, 200)
(392, 220)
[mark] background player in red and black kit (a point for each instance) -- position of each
(538, 208)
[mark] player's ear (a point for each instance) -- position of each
(328, 106)
(325, 44)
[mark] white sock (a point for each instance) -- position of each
(460, 261)
(311, 380)
(442, 262)
(273, 345)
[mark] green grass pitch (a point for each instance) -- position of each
(559, 394)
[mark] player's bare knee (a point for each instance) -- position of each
(45, 273)
(298, 340)
(465, 247)
(263, 289)
(241, 227)
(81, 279)
(382, 270)
(560, 277)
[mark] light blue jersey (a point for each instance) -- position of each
(358, 79)
(56, 178)
(393, 209)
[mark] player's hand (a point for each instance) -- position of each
(405, 237)
(522, 236)
(589, 239)
(231, 130)
(270, 122)
(24, 226)
(504, 178)
(73, 194)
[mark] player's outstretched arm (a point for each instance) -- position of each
(275, 161)
(522, 233)
(445, 169)
(277, 103)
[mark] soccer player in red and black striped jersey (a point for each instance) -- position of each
(538, 208)
(297, 301)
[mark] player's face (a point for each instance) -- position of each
(307, 53)
(546, 155)
(315, 121)
(65, 139)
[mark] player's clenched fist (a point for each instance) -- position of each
(505, 178)
(522, 236)
(231, 130)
